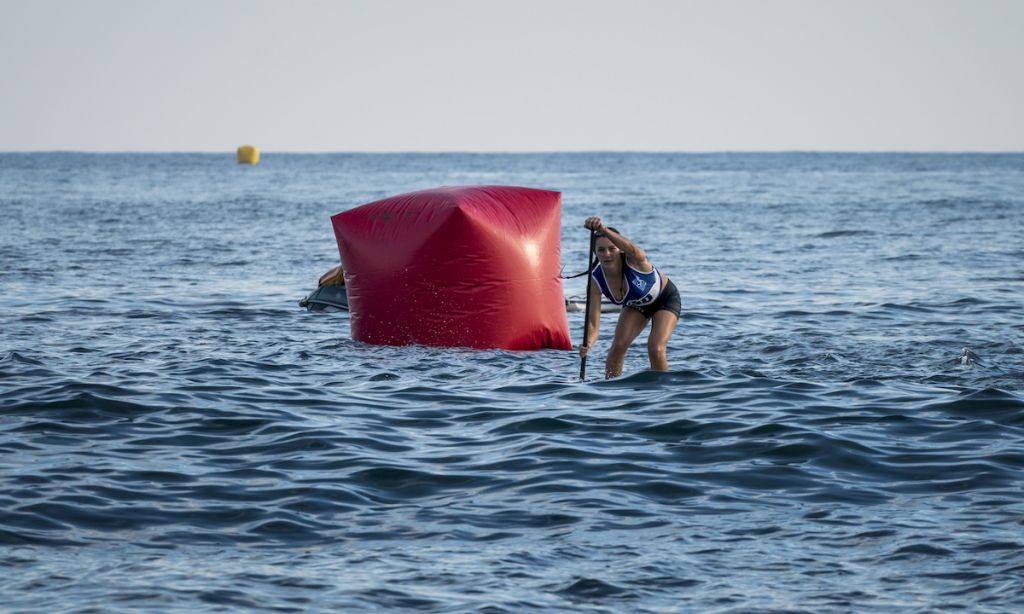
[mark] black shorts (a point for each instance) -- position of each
(669, 300)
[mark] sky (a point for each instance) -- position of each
(512, 76)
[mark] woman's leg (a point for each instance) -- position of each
(631, 322)
(662, 324)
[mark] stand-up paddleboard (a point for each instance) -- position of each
(575, 304)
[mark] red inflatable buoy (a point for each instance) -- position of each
(468, 266)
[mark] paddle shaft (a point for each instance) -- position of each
(586, 310)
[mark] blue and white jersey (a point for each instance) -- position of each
(641, 288)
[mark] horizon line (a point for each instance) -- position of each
(517, 152)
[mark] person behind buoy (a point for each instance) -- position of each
(627, 278)
(334, 277)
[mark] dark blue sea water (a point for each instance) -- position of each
(842, 428)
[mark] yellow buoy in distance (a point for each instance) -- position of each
(247, 154)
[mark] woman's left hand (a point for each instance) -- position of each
(593, 223)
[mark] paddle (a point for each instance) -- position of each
(586, 310)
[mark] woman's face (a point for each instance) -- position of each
(606, 250)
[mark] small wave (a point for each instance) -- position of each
(1000, 406)
(17, 358)
(920, 550)
(905, 258)
(402, 484)
(536, 425)
(80, 403)
(592, 589)
(834, 234)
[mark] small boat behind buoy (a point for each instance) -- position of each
(330, 294)
(326, 298)
(247, 154)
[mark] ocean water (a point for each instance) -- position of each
(842, 427)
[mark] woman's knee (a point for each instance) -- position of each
(618, 348)
(657, 349)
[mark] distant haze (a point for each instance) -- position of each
(523, 75)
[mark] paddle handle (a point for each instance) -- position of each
(586, 310)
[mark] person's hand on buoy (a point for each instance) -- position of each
(593, 223)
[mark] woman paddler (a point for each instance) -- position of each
(627, 278)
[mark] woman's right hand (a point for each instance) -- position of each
(584, 349)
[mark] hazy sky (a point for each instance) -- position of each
(516, 75)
